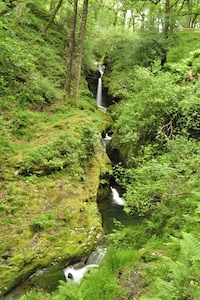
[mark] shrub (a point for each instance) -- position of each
(37, 225)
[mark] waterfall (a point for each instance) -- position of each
(99, 87)
(99, 92)
(75, 275)
(96, 256)
(106, 140)
(116, 198)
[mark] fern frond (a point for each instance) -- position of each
(166, 290)
(174, 243)
(179, 272)
(190, 248)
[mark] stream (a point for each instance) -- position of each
(112, 211)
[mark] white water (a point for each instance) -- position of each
(99, 92)
(101, 70)
(75, 275)
(76, 272)
(99, 87)
(106, 140)
(107, 137)
(116, 198)
(96, 256)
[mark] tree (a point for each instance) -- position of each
(56, 9)
(81, 38)
(71, 48)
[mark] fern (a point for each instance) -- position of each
(190, 248)
(166, 290)
(178, 272)
(184, 273)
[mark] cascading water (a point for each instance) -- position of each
(106, 140)
(116, 198)
(75, 275)
(76, 272)
(99, 87)
(111, 204)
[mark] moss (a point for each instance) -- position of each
(63, 205)
(48, 279)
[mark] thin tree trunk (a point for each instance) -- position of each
(167, 18)
(81, 39)
(70, 53)
(124, 18)
(189, 21)
(116, 14)
(56, 9)
(166, 29)
(116, 18)
(194, 21)
(142, 20)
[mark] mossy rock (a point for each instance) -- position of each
(67, 212)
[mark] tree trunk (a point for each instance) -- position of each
(116, 10)
(142, 20)
(70, 51)
(167, 18)
(166, 29)
(189, 21)
(52, 17)
(124, 18)
(194, 21)
(81, 39)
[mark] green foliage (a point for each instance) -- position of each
(37, 225)
(143, 49)
(102, 284)
(183, 273)
(187, 70)
(151, 102)
(153, 186)
(119, 257)
(68, 291)
(35, 295)
(21, 121)
(186, 42)
(7, 147)
(157, 184)
(44, 221)
(28, 72)
(65, 152)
